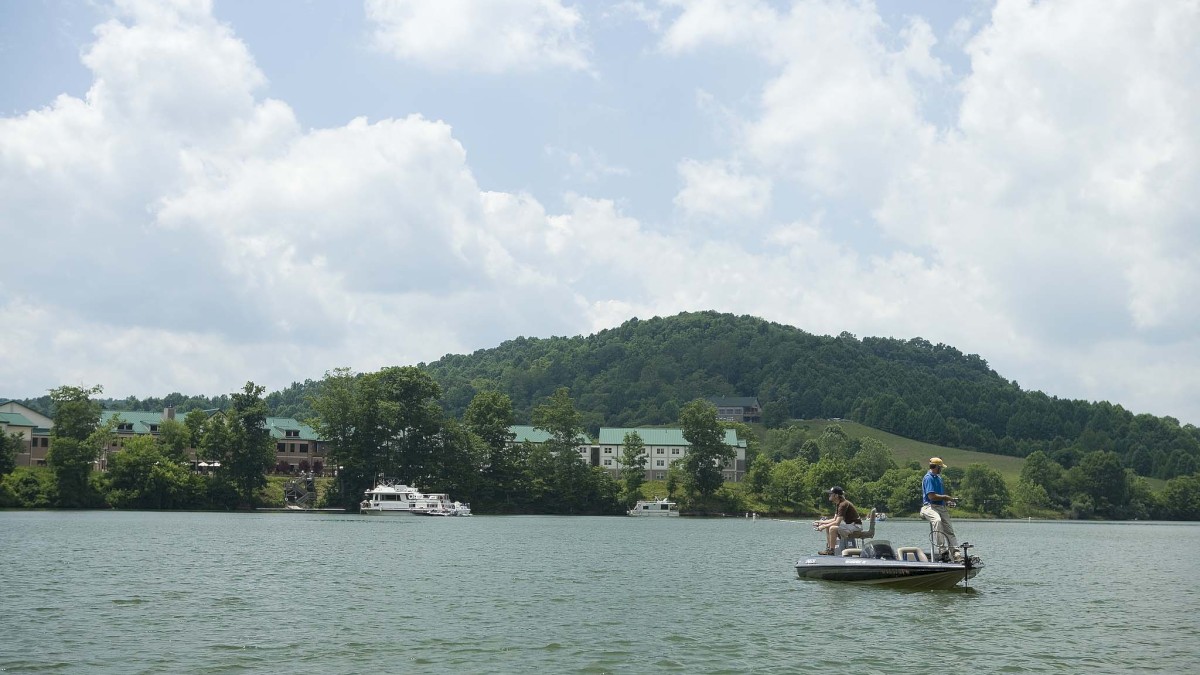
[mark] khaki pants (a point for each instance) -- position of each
(943, 531)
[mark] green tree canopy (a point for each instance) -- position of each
(872, 460)
(787, 485)
(633, 466)
(1102, 479)
(249, 453)
(708, 451)
(984, 490)
(76, 441)
(1181, 498)
(9, 445)
(143, 475)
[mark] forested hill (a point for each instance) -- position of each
(643, 371)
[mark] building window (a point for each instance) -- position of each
(304, 447)
(608, 462)
(291, 447)
(608, 451)
(659, 451)
(658, 462)
(674, 451)
(279, 447)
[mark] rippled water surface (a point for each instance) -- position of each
(199, 592)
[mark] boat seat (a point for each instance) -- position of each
(860, 536)
(851, 552)
(912, 553)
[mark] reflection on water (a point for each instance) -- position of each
(164, 592)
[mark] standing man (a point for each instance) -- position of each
(845, 519)
(934, 501)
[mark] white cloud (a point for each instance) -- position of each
(719, 22)
(1060, 203)
(720, 191)
(493, 36)
(192, 235)
(844, 109)
(1065, 180)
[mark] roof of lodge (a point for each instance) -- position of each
(524, 433)
(280, 425)
(16, 419)
(140, 421)
(734, 401)
(147, 422)
(615, 436)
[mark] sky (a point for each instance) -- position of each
(200, 193)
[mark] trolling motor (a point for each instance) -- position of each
(967, 560)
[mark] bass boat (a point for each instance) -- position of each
(878, 563)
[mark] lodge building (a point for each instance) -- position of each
(298, 449)
(662, 448)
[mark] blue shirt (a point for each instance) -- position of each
(932, 483)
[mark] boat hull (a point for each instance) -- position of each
(890, 573)
(393, 512)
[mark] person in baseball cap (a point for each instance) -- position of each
(844, 522)
(934, 503)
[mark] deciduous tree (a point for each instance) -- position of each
(488, 417)
(9, 444)
(75, 443)
(984, 490)
(143, 475)
(707, 452)
(633, 466)
(250, 452)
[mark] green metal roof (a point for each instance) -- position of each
(141, 421)
(522, 433)
(612, 436)
(280, 425)
(15, 419)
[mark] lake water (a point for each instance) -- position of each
(322, 593)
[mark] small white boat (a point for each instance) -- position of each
(393, 498)
(448, 507)
(654, 507)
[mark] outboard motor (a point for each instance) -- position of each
(879, 549)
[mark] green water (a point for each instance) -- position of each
(226, 593)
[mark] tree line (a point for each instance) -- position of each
(390, 425)
(794, 467)
(382, 425)
(147, 472)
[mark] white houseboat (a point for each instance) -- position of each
(391, 498)
(654, 507)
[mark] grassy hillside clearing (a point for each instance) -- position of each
(906, 450)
